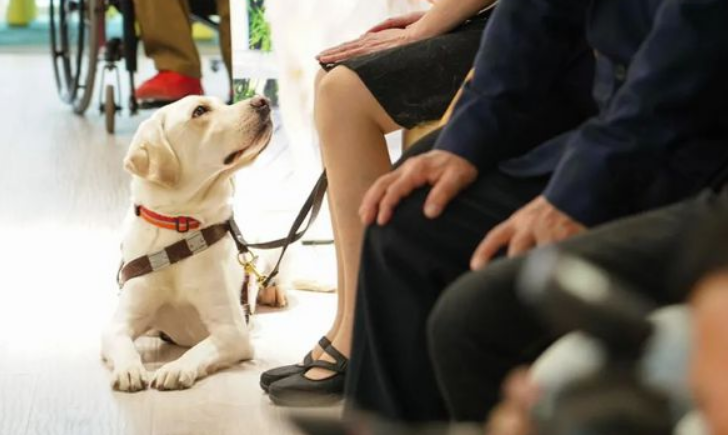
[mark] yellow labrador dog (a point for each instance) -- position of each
(182, 160)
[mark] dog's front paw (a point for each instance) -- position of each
(174, 376)
(273, 296)
(130, 378)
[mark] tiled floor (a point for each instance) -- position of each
(62, 196)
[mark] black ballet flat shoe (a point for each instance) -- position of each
(299, 391)
(278, 373)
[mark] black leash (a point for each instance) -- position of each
(312, 206)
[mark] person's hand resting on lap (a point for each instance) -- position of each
(390, 33)
(447, 173)
(444, 16)
(537, 223)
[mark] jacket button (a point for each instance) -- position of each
(620, 72)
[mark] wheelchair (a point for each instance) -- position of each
(81, 48)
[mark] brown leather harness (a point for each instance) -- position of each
(198, 241)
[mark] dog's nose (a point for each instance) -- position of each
(261, 104)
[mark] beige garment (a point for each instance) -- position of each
(167, 35)
(411, 136)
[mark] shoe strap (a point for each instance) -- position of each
(338, 367)
(340, 360)
(334, 353)
(324, 342)
(308, 359)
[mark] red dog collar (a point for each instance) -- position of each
(181, 224)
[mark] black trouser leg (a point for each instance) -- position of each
(479, 329)
(405, 266)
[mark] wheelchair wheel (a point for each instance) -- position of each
(75, 31)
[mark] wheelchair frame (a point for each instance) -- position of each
(79, 43)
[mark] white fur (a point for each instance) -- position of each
(178, 169)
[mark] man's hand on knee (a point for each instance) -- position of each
(446, 172)
(536, 223)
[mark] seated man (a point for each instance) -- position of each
(659, 136)
(166, 34)
(650, 250)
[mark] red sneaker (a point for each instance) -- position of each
(168, 86)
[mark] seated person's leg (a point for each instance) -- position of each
(357, 102)
(167, 38)
(405, 266)
(223, 11)
(479, 329)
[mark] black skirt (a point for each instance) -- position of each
(415, 83)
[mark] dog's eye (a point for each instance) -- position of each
(199, 111)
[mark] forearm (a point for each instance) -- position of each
(445, 15)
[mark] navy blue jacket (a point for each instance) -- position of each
(632, 96)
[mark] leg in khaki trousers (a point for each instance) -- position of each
(167, 37)
(223, 11)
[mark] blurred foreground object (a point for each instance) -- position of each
(571, 294)
(710, 354)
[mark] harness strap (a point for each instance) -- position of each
(195, 242)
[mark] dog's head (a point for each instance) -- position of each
(197, 139)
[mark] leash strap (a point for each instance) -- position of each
(312, 205)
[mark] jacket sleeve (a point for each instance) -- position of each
(675, 85)
(524, 50)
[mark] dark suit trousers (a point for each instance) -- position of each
(431, 346)
(405, 267)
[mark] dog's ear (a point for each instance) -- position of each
(151, 157)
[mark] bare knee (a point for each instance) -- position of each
(317, 81)
(339, 86)
(341, 94)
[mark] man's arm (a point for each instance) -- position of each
(527, 48)
(524, 51)
(676, 83)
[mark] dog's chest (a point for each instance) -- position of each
(182, 323)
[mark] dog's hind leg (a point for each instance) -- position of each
(132, 318)
(273, 296)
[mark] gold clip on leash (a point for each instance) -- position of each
(312, 206)
(249, 266)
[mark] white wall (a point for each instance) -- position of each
(275, 186)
